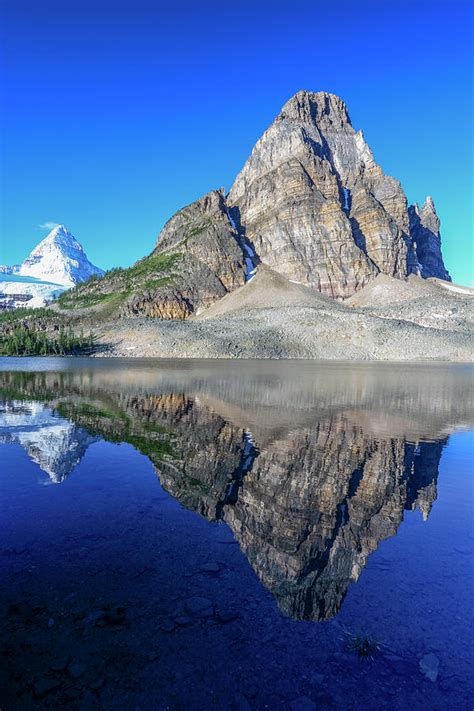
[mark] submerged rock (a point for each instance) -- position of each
(303, 703)
(44, 686)
(60, 663)
(167, 625)
(429, 666)
(76, 670)
(199, 607)
(209, 568)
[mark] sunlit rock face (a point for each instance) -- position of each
(209, 262)
(309, 481)
(315, 204)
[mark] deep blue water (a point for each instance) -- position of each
(205, 535)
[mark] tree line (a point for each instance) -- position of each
(25, 341)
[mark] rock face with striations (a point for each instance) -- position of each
(424, 230)
(199, 258)
(208, 262)
(316, 206)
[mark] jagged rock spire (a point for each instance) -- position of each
(426, 238)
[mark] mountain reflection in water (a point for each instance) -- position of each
(310, 473)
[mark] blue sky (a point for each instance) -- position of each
(119, 113)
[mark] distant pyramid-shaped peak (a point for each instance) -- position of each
(59, 258)
(62, 237)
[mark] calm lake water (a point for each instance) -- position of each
(236, 535)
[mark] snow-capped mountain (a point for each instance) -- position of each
(57, 263)
(60, 259)
(54, 443)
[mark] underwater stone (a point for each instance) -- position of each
(76, 670)
(44, 686)
(199, 607)
(429, 666)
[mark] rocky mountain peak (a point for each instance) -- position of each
(314, 204)
(429, 203)
(322, 121)
(197, 260)
(192, 220)
(317, 108)
(429, 216)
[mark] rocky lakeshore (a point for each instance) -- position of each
(272, 318)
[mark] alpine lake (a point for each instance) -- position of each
(290, 535)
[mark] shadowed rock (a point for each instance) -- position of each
(425, 234)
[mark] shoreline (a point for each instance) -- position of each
(220, 360)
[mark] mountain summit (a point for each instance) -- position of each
(60, 259)
(317, 207)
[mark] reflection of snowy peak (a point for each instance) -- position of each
(59, 258)
(55, 444)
